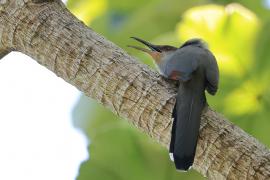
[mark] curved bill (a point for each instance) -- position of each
(151, 46)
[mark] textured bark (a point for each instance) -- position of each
(46, 31)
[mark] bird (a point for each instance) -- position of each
(195, 68)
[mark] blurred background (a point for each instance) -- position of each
(238, 34)
(47, 129)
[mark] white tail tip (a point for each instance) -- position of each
(171, 156)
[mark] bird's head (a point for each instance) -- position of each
(158, 52)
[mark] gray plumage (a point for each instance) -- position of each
(196, 68)
(198, 71)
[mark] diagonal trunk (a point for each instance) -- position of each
(49, 33)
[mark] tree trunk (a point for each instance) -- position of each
(50, 34)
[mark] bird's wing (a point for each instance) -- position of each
(212, 74)
(182, 64)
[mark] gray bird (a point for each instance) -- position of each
(196, 68)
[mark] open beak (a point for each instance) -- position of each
(151, 46)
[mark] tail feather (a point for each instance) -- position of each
(174, 115)
(187, 115)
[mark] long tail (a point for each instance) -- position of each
(187, 115)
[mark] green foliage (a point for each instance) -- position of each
(119, 151)
(239, 38)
